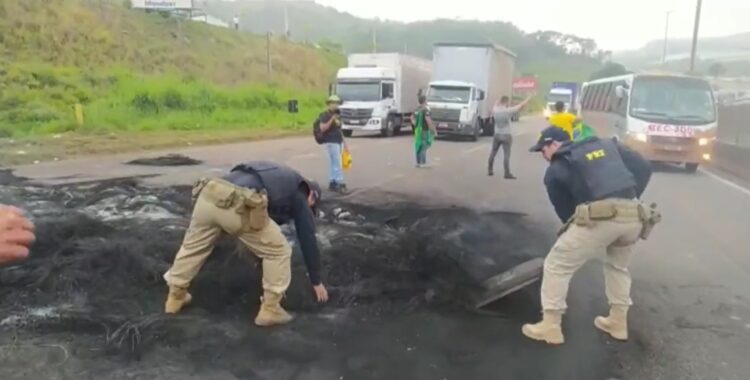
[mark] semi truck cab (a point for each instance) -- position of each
(368, 96)
(454, 108)
(558, 95)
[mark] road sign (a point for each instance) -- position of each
(528, 83)
(166, 5)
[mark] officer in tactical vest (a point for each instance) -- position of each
(594, 185)
(250, 203)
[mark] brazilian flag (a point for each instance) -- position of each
(422, 134)
(582, 131)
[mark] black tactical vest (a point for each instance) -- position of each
(280, 182)
(601, 167)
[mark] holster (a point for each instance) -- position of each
(650, 217)
(254, 209)
(220, 193)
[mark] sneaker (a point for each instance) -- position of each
(333, 186)
(510, 176)
(490, 173)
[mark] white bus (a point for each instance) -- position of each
(667, 118)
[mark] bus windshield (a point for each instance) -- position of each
(680, 100)
(358, 92)
(444, 94)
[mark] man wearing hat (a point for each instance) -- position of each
(333, 141)
(594, 185)
(250, 203)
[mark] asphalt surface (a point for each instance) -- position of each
(691, 279)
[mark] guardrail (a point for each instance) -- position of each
(734, 124)
(732, 150)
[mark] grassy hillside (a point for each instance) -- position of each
(134, 71)
(312, 22)
(733, 52)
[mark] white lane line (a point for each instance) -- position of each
(726, 182)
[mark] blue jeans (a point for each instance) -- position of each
(335, 171)
(422, 155)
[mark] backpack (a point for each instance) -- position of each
(317, 133)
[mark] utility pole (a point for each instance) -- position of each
(666, 39)
(286, 20)
(695, 35)
(268, 52)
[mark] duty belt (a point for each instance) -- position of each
(607, 209)
(622, 210)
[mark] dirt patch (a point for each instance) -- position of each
(89, 301)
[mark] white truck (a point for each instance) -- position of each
(467, 81)
(565, 92)
(379, 91)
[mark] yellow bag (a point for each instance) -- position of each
(346, 159)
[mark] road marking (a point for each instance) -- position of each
(727, 182)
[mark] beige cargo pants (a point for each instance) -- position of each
(223, 207)
(611, 240)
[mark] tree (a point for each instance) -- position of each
(610, 69)
(717, 69)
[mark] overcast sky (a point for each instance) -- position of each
(614, 24)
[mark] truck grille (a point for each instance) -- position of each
(445, 114)
(356, 113)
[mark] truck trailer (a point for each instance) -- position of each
(379, 91)
(467, 81)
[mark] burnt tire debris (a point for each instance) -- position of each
(166, 160)
(94, 275)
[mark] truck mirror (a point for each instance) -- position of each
(480, 95)
(620, 92)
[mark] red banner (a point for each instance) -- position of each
(525, 84)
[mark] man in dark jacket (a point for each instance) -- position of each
(594, 186)
(250, 203)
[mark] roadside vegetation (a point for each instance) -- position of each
(143, 74)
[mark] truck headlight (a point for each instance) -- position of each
(642, 137)
(704, 141)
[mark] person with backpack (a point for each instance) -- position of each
(327, 131)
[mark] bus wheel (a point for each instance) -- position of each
(691, 168)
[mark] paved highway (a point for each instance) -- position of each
(691, 279)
